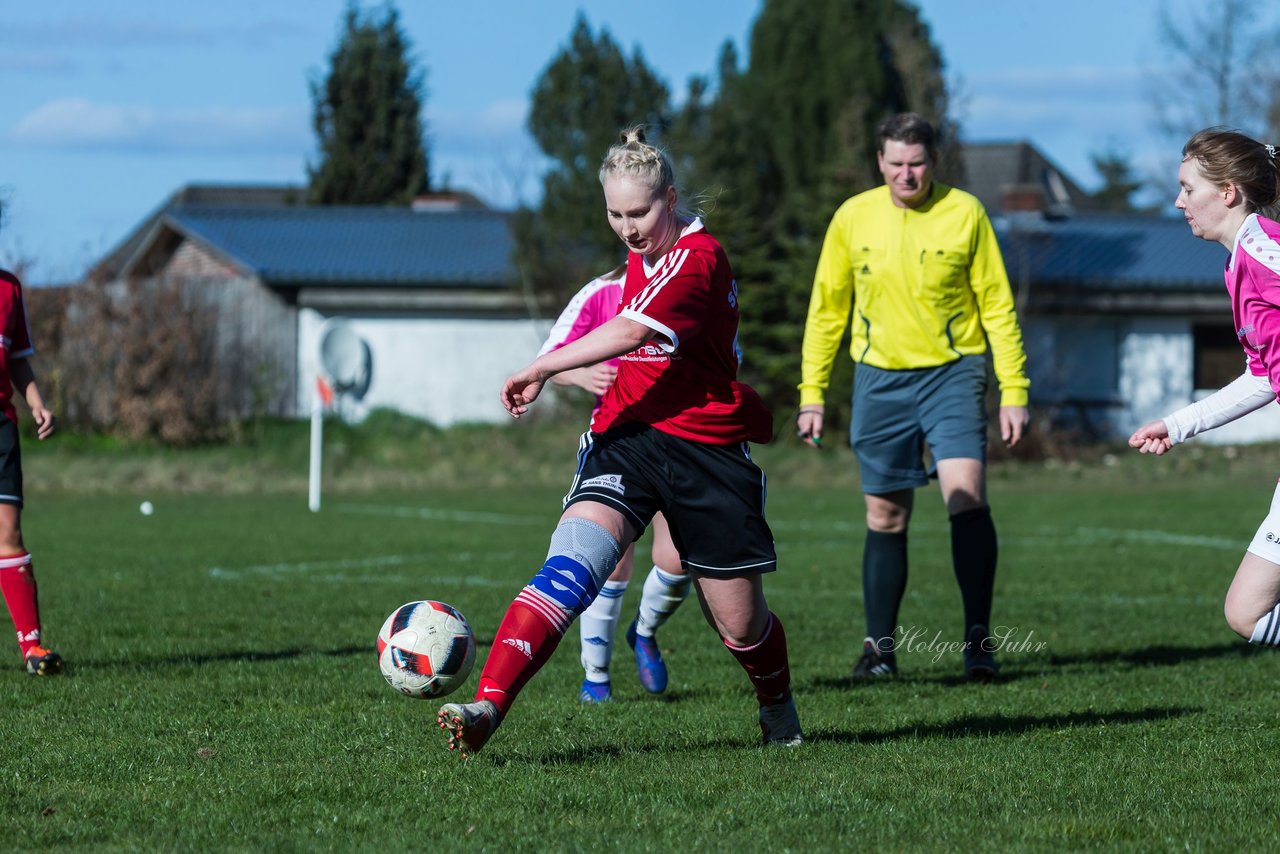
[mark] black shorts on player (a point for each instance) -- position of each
(10, 463)
(713, 496)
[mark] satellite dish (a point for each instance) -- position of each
(345, 358)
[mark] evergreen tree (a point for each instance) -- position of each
(790, 138)
(368, 118)
(1118, 181)
(765, 152)
(586, 95)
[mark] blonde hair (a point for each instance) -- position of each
(1226, 156)
(632, 157)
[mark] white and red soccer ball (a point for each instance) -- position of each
(426, 649)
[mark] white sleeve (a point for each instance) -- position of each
(1245, 394)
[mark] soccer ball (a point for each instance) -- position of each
(426, 649)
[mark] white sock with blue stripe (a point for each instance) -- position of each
(1267, 632)
(599, 625)
(663, 593)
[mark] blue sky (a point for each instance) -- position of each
(110, 107)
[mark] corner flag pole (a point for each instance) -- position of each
(322, 399)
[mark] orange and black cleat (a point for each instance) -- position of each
(43, 662)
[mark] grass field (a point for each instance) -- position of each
(223, 692)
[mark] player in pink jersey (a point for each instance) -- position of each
(17, 575)
(667, 584)
(1228, 182)
(671, 437)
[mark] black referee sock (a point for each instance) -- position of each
(973, 554)
(884, 580)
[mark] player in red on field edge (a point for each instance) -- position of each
(17, 575)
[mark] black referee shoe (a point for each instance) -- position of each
(874, 664)
(979, 662)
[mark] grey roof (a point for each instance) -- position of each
(991, 168)
(239, 196)
(199, 195)
(1119, 252)
(357, 245)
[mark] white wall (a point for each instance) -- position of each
(1155, 369)
(444, 370)
(1156, 378)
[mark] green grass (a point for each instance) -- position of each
(223, 691)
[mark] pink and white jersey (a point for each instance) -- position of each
(15, 338)
(595, 304)
(685, 381)
(1253, 282)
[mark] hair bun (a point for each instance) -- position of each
(635, 158)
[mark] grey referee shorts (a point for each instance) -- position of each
(896, 414)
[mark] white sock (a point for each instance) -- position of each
(663, 593)
(597, 626)
(1267, 632)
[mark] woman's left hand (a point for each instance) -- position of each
(521, 389)
(45, 422)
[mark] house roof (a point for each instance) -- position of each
(199, 195)
(355, 245)
(1116, 252)
(193, 208)
(994, 169)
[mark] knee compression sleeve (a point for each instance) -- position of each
(581, 557)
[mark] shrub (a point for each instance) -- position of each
(144, 359)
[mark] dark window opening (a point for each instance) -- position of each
(1217, 356)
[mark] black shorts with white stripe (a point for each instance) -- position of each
(712, 495)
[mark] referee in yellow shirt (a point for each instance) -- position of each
(914, 265)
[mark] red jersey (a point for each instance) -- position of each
(15, 337)
(685, 385)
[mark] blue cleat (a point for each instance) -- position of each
(649, 664)
(595, 692)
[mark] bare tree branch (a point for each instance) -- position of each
(1222, 69)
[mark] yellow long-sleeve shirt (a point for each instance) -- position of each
(922, 286)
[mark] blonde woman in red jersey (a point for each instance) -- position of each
(667, 583)
(671, 437)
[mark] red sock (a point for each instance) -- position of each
(18, 583)
(766, 663)
(524, 642)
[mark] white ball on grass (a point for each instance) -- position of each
(146, 508)
(426, 649)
